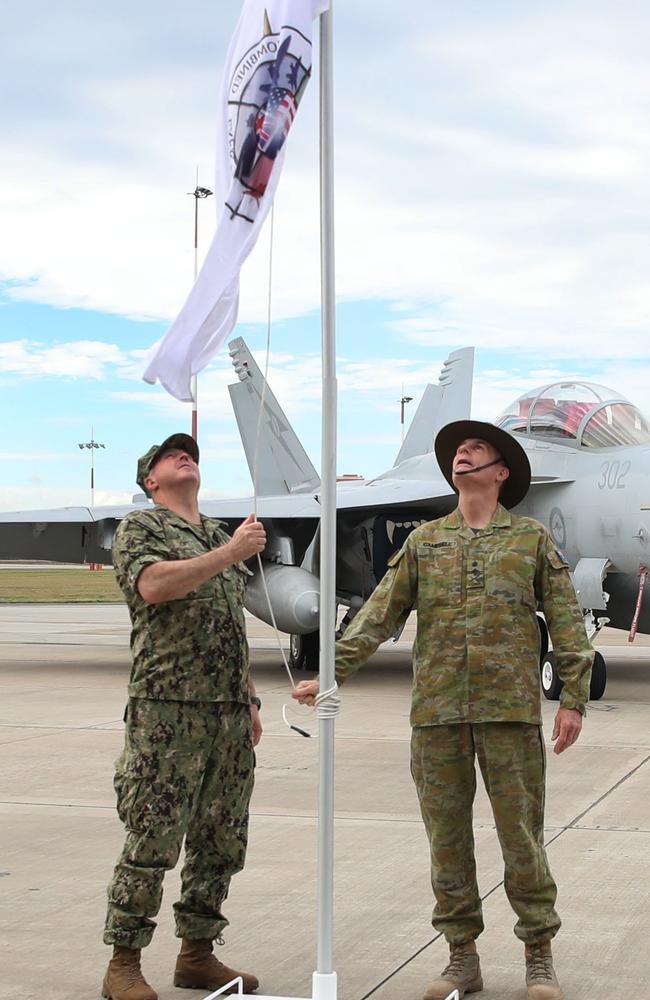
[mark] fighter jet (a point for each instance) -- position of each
(589, 450)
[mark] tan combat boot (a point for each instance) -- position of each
(540, 975)
(198, 969)
(463, 973)
(124, 979)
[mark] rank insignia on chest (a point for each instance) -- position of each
(475, 573)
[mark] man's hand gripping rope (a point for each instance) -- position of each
(327, 703)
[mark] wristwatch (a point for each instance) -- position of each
(254, 700)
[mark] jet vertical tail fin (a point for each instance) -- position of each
(282, 465)
(450, 400)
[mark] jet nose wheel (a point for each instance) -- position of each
(304, 651)
(598, 677)
(552, 685)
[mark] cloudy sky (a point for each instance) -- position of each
(492, 164)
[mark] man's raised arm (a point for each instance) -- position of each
(171, 580)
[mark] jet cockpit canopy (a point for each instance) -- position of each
(582, 414)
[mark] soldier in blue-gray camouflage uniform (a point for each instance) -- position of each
(477, 578)
(191, 723)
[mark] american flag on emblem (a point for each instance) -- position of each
(275, 120)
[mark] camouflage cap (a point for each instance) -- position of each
(146, 463)
(448, 439)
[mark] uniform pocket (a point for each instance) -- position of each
(235, 580)
(510, 578)
(440, 569)
(127, 790)
(155, 789)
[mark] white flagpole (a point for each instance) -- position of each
(194, 382)
(198, 193)
(324, 981)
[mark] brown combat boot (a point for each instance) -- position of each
(198, 969)
(124, 979)
(463, 973)
(540, 975)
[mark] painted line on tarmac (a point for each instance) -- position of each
(570, 826)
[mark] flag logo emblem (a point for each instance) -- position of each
(264, 93)
(267, 68)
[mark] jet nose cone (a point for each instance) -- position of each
(307, 610)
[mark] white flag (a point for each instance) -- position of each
(267, 69)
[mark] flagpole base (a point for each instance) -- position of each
(324, 986)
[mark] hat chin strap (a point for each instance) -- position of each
(479, 468)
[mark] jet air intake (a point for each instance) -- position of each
(294, 595)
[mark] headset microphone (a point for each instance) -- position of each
(479, 468)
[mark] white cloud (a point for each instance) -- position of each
(490, 190)
(77, 359)
(34, 456)
(493, 163)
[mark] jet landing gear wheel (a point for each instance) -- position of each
(598, 677)
(304, 651)
(552, 685)
(543, 638)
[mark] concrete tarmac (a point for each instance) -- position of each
(63, 674)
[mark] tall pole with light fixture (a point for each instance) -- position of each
(92, 445)
(198, 194)
(402, 403)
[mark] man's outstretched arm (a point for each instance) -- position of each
(387, 607)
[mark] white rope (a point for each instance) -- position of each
(326, 706)
(326, 703)
(266, 364)
(257, 447)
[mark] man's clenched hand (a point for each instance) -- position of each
(306, 692)
(247, 540)
(256, 723)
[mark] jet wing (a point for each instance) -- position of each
(66, 515)
(300, 506)
(80, 535)
(60, 534)
(432, 493)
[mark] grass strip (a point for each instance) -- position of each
(59, 586)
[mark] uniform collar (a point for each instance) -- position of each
(202, 531)
(501, 519)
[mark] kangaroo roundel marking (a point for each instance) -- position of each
(557, 527)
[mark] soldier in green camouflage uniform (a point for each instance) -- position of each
(187, 766)
(477, 578)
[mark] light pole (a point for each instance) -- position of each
(198, 194)
(402, 403)
(92, 444)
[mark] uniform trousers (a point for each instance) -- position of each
(186, 772)
(512, 760)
